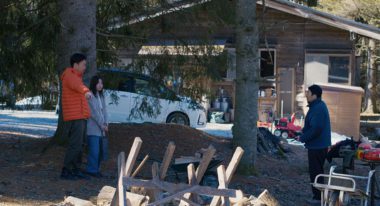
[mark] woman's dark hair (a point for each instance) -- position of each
(94, 81)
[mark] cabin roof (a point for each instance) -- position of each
(280, 5)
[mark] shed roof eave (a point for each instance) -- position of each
(324, 18)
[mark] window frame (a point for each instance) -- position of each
(332, 54)
(231, 72)
(274, 63)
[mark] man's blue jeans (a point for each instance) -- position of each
(96, 153)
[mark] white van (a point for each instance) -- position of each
(138, 98)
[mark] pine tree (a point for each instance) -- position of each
(77, 35)
(247, 75)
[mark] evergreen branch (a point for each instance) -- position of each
(41, 6)
(106, 50)
(119, 36)
(10, 4)
(40, 21)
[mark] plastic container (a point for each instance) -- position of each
(216, 104)
(224, 105)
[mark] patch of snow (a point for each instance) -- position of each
(37, 100)
(225, 130)
(294, 142)
(335, 137)
(220, 130)
(35, 124)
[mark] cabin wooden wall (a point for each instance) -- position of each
(290, 35)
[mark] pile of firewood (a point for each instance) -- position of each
(132, 191)
(268, 143)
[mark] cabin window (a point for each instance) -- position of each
(339, 69)
(267, 63)
(327, 68)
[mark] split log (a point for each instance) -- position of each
(119, 197)
(186, 159)
(125, 170)
(268, 143)
(107, 192)
(265, 199)
(171, 187)
(206, 159)
(105, 196)
(223, 183)
(260, 148)
(77, 202)
(133, 153)
(240, 200)
(136, 199)
(261, 139)
(155, 177)
(201, 169)
(191, 174)
(140, 166)
(231, 168)
(192, 181)
(167, 159)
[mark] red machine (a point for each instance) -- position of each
(372, 155)
(286, 128)
(367, 153)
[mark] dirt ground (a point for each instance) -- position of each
(30, 177)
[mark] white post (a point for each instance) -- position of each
(282, 108)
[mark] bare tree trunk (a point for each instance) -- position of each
(370, 89)
(375, 95)
(247, 74)
(377, 88)
(78, 35)
(374, 66)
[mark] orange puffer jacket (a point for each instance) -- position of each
(74, 102)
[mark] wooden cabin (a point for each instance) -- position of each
(299, 46)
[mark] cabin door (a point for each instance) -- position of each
(286, 91)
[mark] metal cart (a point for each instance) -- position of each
(341, 188)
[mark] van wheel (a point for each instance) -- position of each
(178, 118)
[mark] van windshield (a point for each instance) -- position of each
(118, 81)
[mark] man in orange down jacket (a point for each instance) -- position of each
(75, 112)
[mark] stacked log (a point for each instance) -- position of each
(267, 143)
